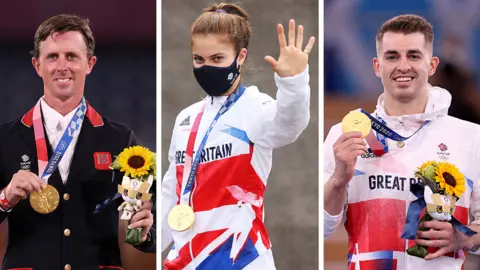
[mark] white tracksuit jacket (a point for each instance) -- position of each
(379, 193)
(229, 232)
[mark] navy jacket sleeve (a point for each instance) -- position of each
(3, 182)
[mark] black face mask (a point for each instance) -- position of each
(215, 81)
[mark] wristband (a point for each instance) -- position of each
(4, 203)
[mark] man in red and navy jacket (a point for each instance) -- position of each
(82, 231)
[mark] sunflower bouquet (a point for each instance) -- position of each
(441, 186)
(139, 165)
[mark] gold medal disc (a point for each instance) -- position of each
(356, 121)
(181, 217)
(46, 201)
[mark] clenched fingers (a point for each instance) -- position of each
(434, 234)
(437, 225)
(24, 185)
(18, 192)
(347, 135)
(440, 252)
(148, 205)
(433, 243)
(349, 145)
(353, 148)
(141, 219)
(28, 181)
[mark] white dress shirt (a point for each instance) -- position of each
(55, 125)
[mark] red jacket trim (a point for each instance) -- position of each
(93, 116)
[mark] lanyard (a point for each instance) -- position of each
(383, 132)
(190, 168)
(47, 167)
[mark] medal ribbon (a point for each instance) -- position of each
(47, 167)
(190, 168)
(384, 132)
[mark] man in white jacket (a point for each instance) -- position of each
(372, 192)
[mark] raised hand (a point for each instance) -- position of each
(292, 59)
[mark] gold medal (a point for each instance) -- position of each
(356, 121)
(181, 217)
(46, 201)
(401, 144)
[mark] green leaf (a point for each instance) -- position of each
(431, 184)
(418, 251)
(133, 236)
(425, 217)
(428, 172)
(115, 165)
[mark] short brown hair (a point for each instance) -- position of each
(61, 24)
(407, 24)
(223, 18)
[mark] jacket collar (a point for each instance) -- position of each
(438, 103)
(92, 115)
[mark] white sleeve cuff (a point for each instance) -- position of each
(331, 223)
(477, 252)
(294, 85)
(7, 210)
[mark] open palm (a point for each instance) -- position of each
(292, 59)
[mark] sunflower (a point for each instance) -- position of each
(136, 161)
(450, 179)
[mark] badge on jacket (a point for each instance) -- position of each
(102, 160)
(26, 163)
